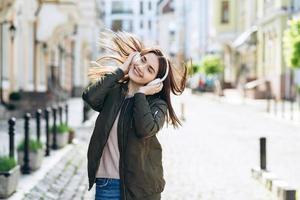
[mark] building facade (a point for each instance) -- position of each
(136, 16)
(46, 47)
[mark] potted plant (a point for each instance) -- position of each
(62, 135)
(9, 176)
(212, 66)
(14, 100)
(36, 154)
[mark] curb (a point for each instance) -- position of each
(279, 188)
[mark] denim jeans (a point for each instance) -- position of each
(107, 189)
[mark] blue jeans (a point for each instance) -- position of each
(107, 189)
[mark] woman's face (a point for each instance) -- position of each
(145, 70)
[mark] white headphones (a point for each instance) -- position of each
(159, 80)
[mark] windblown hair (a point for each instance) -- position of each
(120, 45)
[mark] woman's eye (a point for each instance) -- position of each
(143, 59)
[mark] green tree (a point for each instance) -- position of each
(212, 65)
(193, 68)
(291, 42)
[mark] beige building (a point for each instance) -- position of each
(272, 21)
(45, 48)
(251, 34)
(245, 48)
(225, 23)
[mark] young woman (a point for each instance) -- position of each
(124, 154)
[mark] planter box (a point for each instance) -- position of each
(61, 139)
(35, 158)
(9, 181)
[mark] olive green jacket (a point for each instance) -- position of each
(141, 117)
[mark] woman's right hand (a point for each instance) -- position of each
(126, 65)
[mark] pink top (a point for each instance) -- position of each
(109, 162)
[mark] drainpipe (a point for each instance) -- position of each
(1, 59)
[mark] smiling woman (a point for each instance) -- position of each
(120, 45)
(124, 155)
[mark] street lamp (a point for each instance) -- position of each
(45, 47)
(12, 30)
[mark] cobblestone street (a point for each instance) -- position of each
(68, 179)
(209, 158)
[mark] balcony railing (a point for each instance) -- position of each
(121, 11)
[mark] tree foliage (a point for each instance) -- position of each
(291, 42)
(212, 65)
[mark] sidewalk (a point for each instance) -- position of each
(63, 174)
(67, 180)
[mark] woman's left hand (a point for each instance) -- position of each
(151, 89)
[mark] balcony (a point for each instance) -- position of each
(121, 11)
(119, 7)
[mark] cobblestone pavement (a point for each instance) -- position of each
(68, 179)
(210, 157)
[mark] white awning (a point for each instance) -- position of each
(241, 39)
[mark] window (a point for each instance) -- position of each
(117, 25)
(225, 12)
(149, 24)
(149, 6)
(141, 7)
(141, 24)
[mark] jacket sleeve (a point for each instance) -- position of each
(148, 120)
(95, 93)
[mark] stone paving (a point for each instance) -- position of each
(67, 180)
(208, 158)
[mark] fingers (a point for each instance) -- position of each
(130, 58)
(157, 87)
(128, 61)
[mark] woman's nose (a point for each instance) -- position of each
(141, 68)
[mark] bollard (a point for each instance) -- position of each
(11, 133)
(275, 105)
(47, 111)
(38, 124)
(182, 112)
(268, 95)
(54, 131)
(268, 104)
(60, 109)
(263, 158)
(25, 168)
(283, 108)
(67, 113)
(292, 108)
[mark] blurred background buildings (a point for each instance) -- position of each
(46, 45)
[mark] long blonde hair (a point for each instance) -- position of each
(119, 45)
